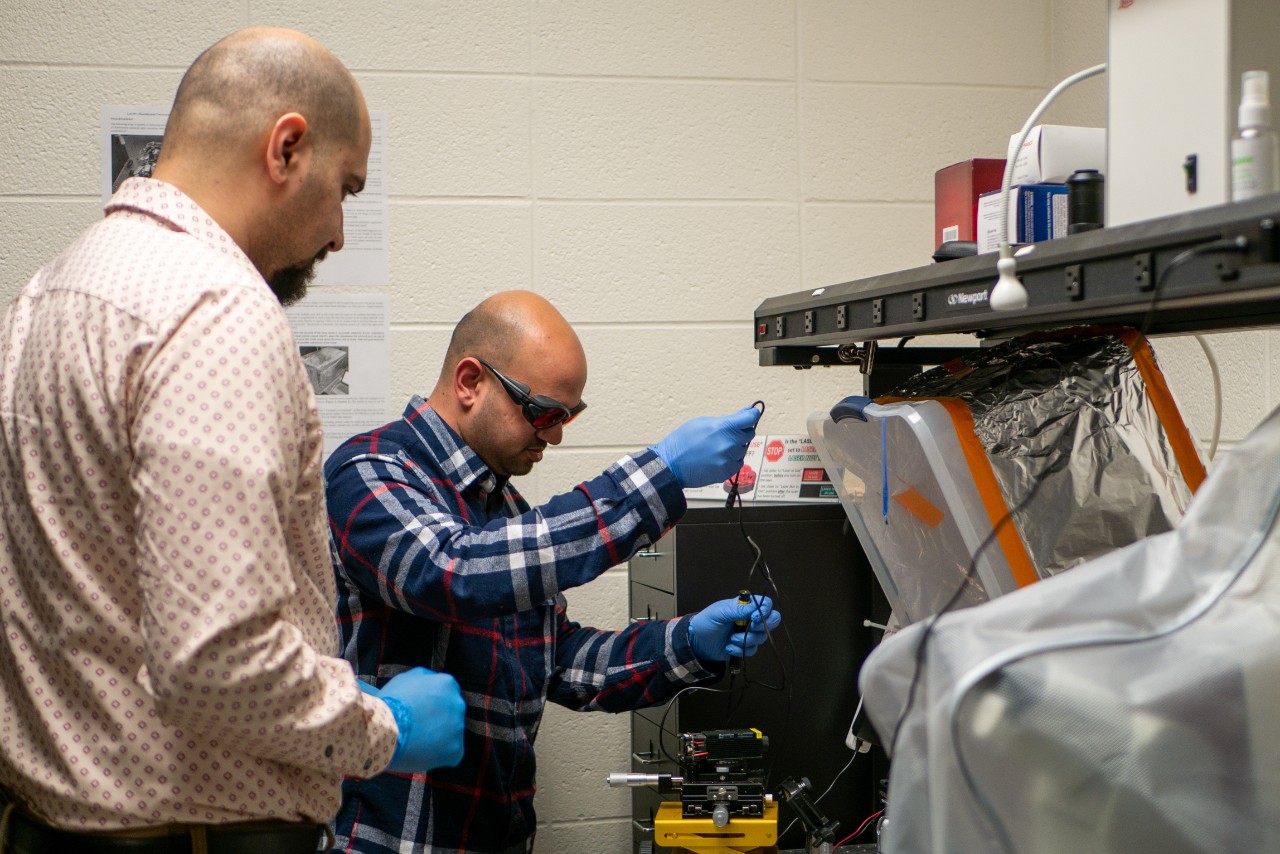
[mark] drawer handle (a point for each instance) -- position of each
(648, 553)
(641, 826)
(650, 758)
(643, 619)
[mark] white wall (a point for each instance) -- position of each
(656, 169)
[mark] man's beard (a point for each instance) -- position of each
(290, 283)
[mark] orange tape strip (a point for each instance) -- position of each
(917, 505)
(1184, 449)
(984, 478)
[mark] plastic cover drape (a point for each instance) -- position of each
(1073, 412)
(1131, 705)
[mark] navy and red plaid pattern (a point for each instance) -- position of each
(440, 564)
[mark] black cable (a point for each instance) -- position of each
(788, 684)
(662, 722)
(733, 482)
(736, 696)
(1226, 245)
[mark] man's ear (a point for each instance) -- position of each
(466, 382)
(288, 148)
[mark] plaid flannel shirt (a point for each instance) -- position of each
(443, 565)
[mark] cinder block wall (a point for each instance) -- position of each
(656, 169)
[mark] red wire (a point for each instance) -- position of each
(861, 828)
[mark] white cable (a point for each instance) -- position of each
(852, 746)
(824, 794)
(1217, 393)
(1009, 293)
(851, 740)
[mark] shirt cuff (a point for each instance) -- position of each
(383, 735)
(690, 668)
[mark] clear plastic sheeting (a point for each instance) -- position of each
(1075, 412)
(1131, 705)
(927, 473)
(901, 474)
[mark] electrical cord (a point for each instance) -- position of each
(762, 565)
(788, 683)
(733, 482)
(835, 780)
(852, 722)
(662, 722)
(1216, 374)
(1009, 293)
(861, 827)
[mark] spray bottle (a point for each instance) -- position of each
(1255, 154)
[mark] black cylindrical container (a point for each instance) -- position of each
(1084, 200)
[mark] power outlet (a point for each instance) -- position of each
(842, 319)
(1142, 271)
(780, 327)
(877, 312)
(810, 322)
(1075, 281)
(917, 305)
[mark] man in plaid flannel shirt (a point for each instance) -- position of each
(443, 564)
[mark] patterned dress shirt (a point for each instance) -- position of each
(166, 586)
(446, 566)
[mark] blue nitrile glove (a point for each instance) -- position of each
(708, 450)
(711, 632)
(429, 710)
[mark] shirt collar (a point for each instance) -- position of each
(456, 459)
(175, 209)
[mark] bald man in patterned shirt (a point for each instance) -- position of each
(167, 672)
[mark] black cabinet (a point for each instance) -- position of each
(826, 590)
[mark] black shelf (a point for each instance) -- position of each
(1107, 276)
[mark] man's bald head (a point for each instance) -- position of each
(509, 327)
(237, 88)
(268, 135)
(521, 335)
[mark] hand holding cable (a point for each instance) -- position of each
(708, 450)
(714, 637)
(429, 711)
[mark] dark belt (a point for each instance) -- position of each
(27, 835)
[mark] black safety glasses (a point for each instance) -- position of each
(539, 410)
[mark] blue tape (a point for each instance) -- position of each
(884, 469)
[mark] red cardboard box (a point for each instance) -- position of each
(955, 196)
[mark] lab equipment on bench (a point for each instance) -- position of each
(723, 805)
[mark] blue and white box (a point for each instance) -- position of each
(1036, 212)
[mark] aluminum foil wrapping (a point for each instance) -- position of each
(1072, 412)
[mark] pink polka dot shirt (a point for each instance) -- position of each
(166, 590)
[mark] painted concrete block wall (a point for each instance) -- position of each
(655, 169)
